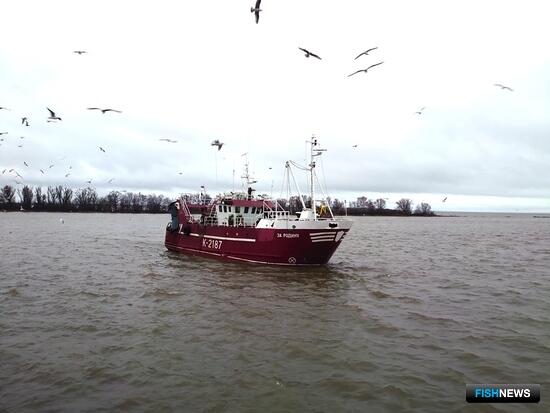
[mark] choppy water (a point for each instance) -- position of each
(97, 316)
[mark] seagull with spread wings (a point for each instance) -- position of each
(504, 87)
(52, 116)
(419, 112)
(366, 70)
(366, 52)
(80, 52)
(217, 143)
(256, 10)
(168, 140)
(101, 149)
(308, 53)
(105, 110)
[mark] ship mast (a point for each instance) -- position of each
(314, 152)
(247, 179)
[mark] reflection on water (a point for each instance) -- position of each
(98, 316)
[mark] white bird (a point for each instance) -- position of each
(419, 112)
(80, 52)
(504, 87)
(105, 110)
(365, 70)
(365, 52)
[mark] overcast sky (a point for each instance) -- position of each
(194, 71)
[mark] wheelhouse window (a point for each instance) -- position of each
(253, 210)
(237, 210)
(220, 208)
(246, 210)
(225, 208)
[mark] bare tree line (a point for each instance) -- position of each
(64, 199)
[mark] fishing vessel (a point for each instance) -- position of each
(240, 226)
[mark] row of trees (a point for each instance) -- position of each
(60, 198)
(363, 206)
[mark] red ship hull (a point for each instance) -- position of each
(257, 245)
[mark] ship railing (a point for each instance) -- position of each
(212, 220)
(275, 213)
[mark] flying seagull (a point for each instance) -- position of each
(217, 143)
(354, 146)
(256, 10)
(80, 52)
(26, 164)
(52, 116)
(110, 180)
(3, 171)
(3, 133)
(101, 149)
(168, 140)
(308, 53)
(89, 182)
(504, 87)
(51, 166)
(365, 70)
(2, 107)
(105, 110)
(23, 120)
(365, 52)
(419, 112)
(444, 199)
(67, 175)
(42, 171)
